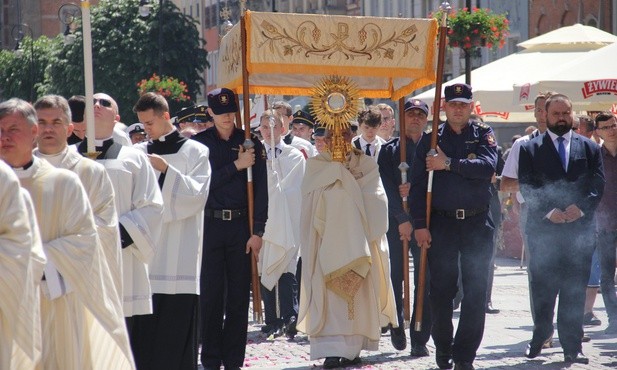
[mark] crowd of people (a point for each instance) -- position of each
(140, 255)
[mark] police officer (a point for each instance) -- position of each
(416, 114)
(460, 224)
(226, 265)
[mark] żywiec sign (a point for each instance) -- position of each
(599, 87)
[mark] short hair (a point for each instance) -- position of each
(543, 95)
(530, 129)
(515, 137)
(283, 104)
(370, 116)
(77, 103)
(603, 116)
(384, 106)
(272, 114)
(556, 97)
(52, 102)
(19, 106)
(152, 101)
(587, 121)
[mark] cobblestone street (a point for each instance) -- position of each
(505, 338)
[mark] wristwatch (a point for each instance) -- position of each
(447, 163)
(259, 234)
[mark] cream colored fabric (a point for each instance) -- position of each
(282, 234)
(288, 53)
(100, 192)
(84, 328)
(346, 294)
(176, 266)
(139, 204)
(21, 268)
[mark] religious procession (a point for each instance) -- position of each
(249, 231)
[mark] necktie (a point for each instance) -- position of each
(561, 148)
(368, 150)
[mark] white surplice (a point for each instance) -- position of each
(21, 268)
(281, 239)
(176, 266)
(140, 210)
(83, 328)
(100, 192)
(346, 293)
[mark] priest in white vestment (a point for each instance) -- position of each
(21, 269)
(139, 205)
(82, 325)
(54, 121)
(346, 293)
(278, 258)
(183, 171)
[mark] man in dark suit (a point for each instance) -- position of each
(561, 176)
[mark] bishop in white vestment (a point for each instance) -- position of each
(346, 294)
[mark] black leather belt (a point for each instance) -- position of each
(225, 214)
(459, 214)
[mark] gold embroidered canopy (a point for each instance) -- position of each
(289, 53)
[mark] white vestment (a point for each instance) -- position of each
(83, 328)
(176, 266)
(100, 192)
(346, 293)
(21, 268)
(304, 146)
(281, 239)
(140, 210)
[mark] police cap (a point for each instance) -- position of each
(416, 104)
(222, 101)
(303, 118)
(459, 92)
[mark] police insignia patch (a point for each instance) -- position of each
(490, 138)
(223, 99)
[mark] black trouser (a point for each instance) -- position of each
(472, 240)
(224, 312)
(606, 249)
(560, 264)
(168, 336)
(288, 302)
(396, 275)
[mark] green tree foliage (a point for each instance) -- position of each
(23, 72)
(125, 50)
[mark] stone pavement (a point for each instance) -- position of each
(505, 338)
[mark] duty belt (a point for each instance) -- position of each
(225, 214)
(459, 214)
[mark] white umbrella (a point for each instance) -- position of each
(589, 81)
(493, 83)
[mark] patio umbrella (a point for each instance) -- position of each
(493, 83)
(589, 81)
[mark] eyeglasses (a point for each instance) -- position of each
(611, 127)
(104, 102)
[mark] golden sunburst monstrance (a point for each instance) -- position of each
(334, 104)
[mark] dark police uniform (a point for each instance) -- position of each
(226, 268)
(388, 161)
(460, 225)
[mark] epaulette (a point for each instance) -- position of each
(480, 124)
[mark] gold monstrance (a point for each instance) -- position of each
(334, 103)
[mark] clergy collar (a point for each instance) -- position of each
(26, 166)
(102, 142)
(170, 135)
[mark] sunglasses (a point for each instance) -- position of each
(104, 102)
